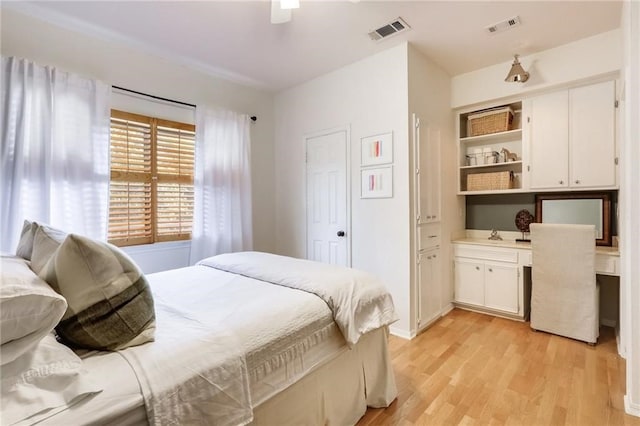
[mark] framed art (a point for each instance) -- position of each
(375, 150)
(377, 182)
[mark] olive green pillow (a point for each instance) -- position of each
(110, 305)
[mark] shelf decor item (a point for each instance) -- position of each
(494, 120)
(376, 150)
(523, 220)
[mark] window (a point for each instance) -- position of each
(151, 190)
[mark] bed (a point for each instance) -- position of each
(245, 338)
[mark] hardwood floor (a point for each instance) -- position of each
(475, 369)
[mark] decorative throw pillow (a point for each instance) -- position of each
(45, 242)
(110, 303)
(48, 376)
(25, 245)
(29, 308)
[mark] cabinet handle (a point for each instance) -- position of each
(561, 182)
(577, 181)
(490, 270)
(434, 256)
(477, 268)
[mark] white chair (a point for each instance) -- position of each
(565, 295)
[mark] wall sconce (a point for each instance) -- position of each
(517, 74)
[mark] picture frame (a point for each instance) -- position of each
(376, 182)
(376, 150)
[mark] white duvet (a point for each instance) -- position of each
(209, 321)
(358, 300)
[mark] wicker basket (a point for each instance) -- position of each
(490, 181)
(490, 121)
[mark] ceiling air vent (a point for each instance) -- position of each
(504, 25)
(394, 27)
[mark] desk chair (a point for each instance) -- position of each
(564, 293)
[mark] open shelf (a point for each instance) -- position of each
(472, 149)
(492, 137)
(507, 165)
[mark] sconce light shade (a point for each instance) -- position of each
(517, 74)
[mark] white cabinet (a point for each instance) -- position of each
(469, 281)
(549, 134)
(427, 162)
(429, 288)
(592, 136)
(572, 138)
(501, 287)
(488, 279)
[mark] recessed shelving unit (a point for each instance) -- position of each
(476, 153)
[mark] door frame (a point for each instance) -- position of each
(347, 129)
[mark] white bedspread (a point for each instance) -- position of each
(358, 300)
(223, 325)
(196, 368)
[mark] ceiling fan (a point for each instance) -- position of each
(281, 10)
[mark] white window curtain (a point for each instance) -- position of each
(222, 184)
(54, 130)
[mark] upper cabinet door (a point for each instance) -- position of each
(592, 135)
(430, 176)
(549, 141)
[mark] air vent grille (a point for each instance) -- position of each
(394, 27)
(503, 25)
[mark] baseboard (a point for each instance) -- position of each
(631, 408)
(447, 309)
(403, 334)
(608, 322)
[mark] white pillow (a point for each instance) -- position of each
(29, 308)
(110, 302)
(25, 245)
(45, 242)
(49, 376)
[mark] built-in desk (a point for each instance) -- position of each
(490, 276)
(607, 258)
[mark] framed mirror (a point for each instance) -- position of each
(590, 208)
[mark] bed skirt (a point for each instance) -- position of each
(338, 392)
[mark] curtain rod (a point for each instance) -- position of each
(253, 117)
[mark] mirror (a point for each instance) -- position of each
(586, 208)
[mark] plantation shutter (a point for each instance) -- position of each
(151, 190)
(175, 155)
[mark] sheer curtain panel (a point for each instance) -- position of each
(222, 184)
(54, 129)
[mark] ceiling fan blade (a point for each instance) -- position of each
(278, 14)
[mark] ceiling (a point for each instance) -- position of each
(235, 39)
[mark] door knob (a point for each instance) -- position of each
(340, 234)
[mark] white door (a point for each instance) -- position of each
(592, 135)
(327, 203)
(549, 145)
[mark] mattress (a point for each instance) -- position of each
(285, 334)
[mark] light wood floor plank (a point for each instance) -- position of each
(475, 369)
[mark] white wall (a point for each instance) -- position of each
(371, 97)
(116, 63)
(430, 98)
(582, 59)
(630, 205)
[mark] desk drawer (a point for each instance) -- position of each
(485, 253)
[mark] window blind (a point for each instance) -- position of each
(151, 192)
